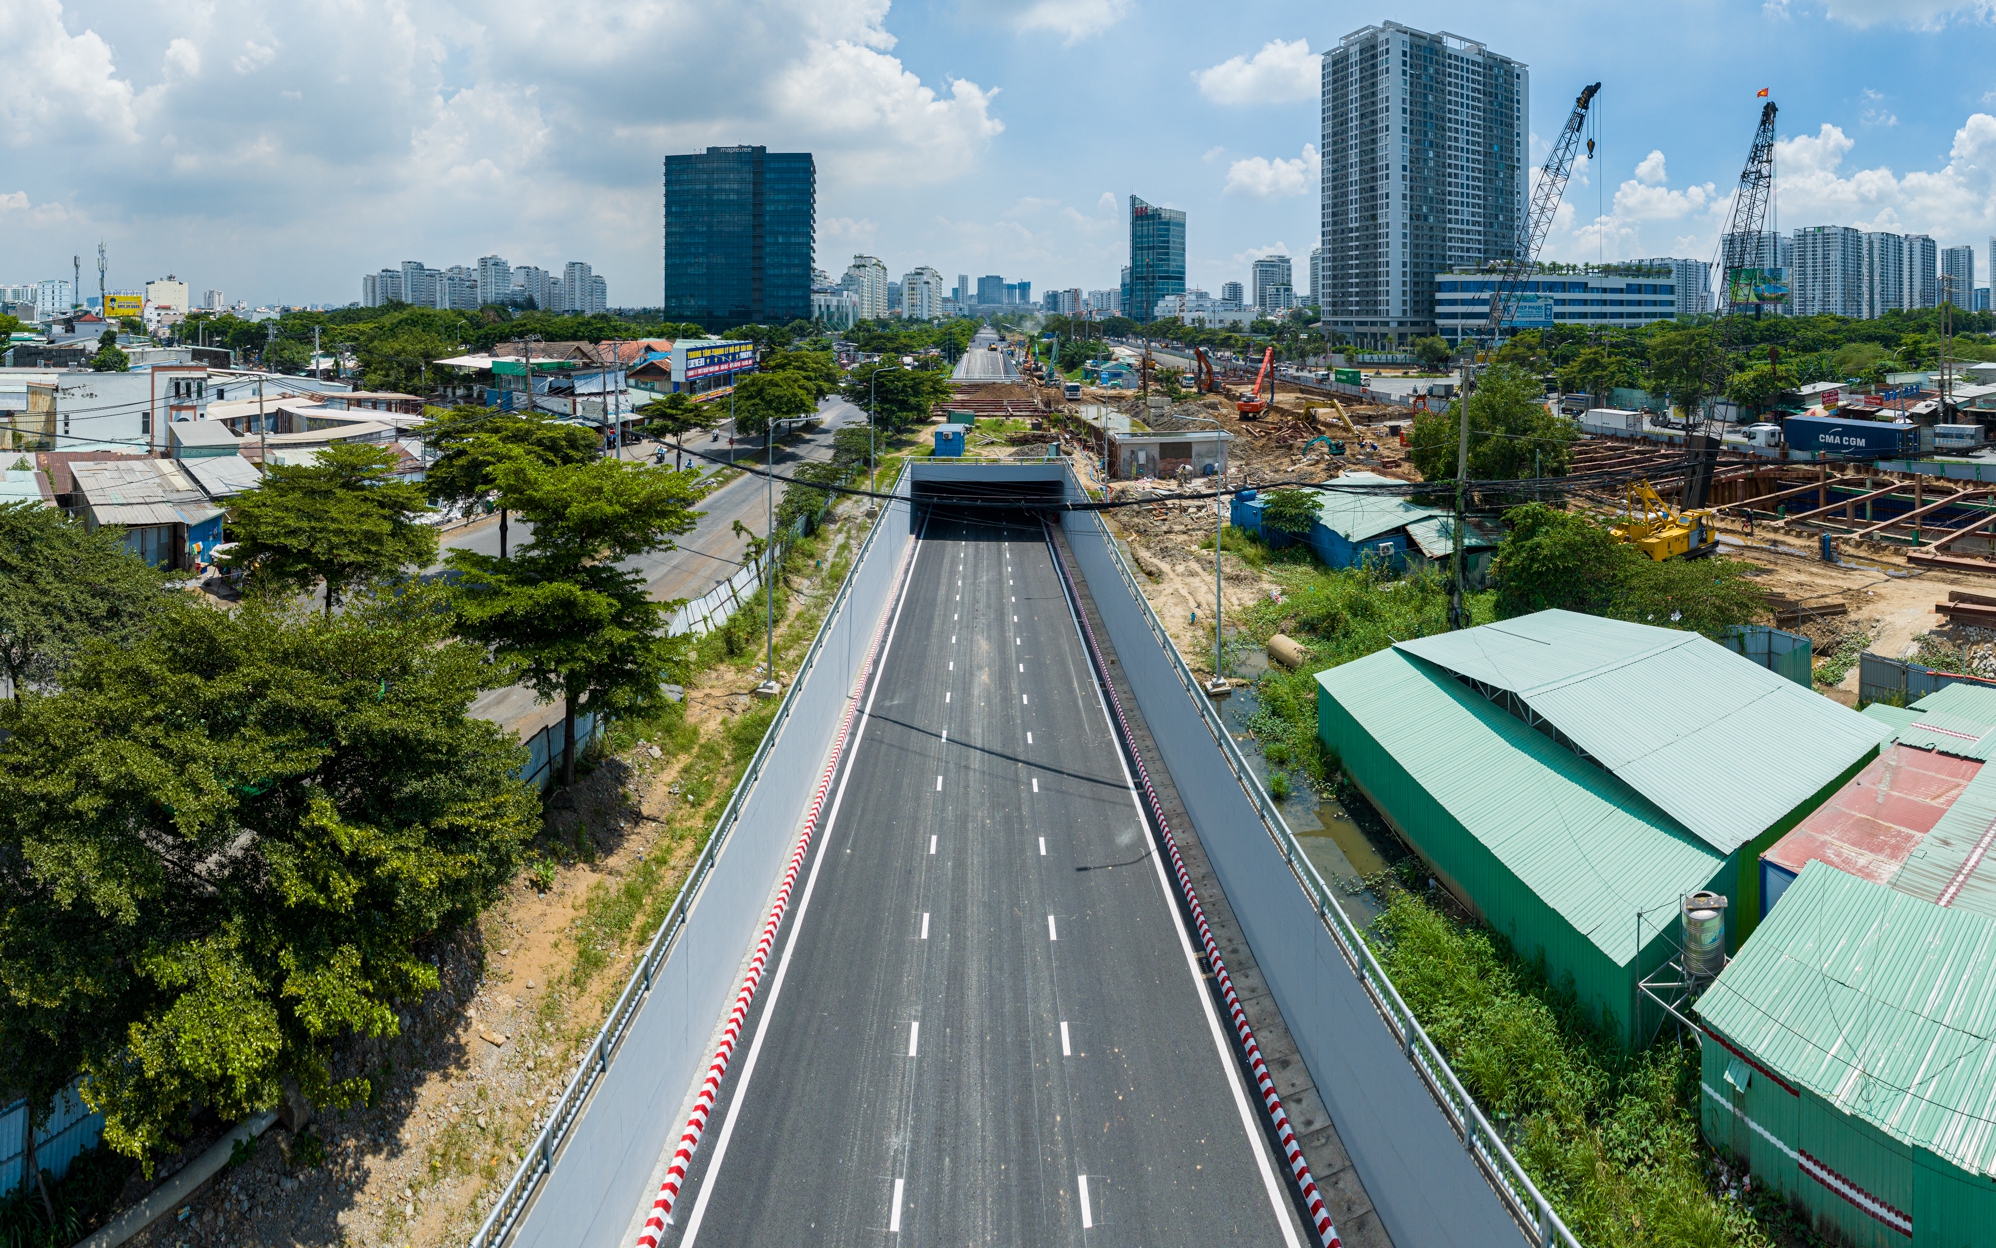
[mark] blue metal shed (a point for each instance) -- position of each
(949, 441)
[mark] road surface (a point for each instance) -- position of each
(990, 1027)
(980, 364)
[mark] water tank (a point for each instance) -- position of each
(1704, 934)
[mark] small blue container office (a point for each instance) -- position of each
(949, 441)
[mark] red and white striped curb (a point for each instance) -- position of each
(717, 1070)
(1313, 1200)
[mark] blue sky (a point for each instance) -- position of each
(277, 152)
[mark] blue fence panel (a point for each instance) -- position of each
(71, 1128)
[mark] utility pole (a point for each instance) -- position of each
(263, 431)
(76, 284)
(103, 308)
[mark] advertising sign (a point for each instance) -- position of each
(116, 306)
(705, 359)
(1530, 312)
(1769, 286)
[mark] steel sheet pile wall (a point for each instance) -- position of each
(1426, 1188)
(602, 1174)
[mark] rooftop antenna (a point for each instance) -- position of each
(103, 304)
(76, 283)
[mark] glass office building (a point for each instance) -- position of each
(740, 223)
(1157, 258)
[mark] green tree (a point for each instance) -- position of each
(1687, 365)
(904, 397)
(398, 358)
(109, 358)
(1562, 559)
(1291, 511)
(1754, 389)
(1432, 351)
(222, 847)
(471, 442)
(1595, 371)
(762, 400)
(674, 416)
(63, 585)
(343, 520)
(1512, 435)
(816, 371)
(561, 616)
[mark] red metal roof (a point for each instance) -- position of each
(1872, 824)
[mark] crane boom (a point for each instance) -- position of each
(1744, 234)
(1538, 218)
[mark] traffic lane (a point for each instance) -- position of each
(1170, 1149)
(811, 1149)
(992, 1114)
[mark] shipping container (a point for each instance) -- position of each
(1349, 376)
(1611, 422)
(1834, 435)
(1957, 437)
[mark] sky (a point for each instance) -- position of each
(277, 152)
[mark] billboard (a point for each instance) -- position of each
(1530, 312)
(693, 360)
(1769, 286)
(122, 305)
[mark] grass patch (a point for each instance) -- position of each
(1831, 671)
(83, 1199)
(1611, 1137)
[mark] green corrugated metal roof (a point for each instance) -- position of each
(1882, 1004)
(1961, 698)
(1952, 865)
(1725, 746)
(1588, 845)
(1960, 735)
(1895, 716)
(1356, 515)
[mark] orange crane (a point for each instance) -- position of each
(1202, 372)
(1253, 406)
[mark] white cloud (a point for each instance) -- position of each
(1271, 179)
(1252, 254)
(1954, 203)
(1650, 172)
(1281, 73)
(1918, 14)
(1073, 20)
(253, 57)
(843, 89)
(65, 86)
(183, 59)
(1875, 113)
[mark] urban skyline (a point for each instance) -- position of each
(953, 155)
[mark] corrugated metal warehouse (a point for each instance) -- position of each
(1569, 778)
(1851, 1059)
(1920, 818)
(1359, 526)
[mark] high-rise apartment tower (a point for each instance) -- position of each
(1423, 169)
(1958, 267)
(740, 223)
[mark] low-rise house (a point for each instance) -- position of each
(1363, 519)
(163, 511)
(25, 485)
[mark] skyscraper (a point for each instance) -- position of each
(991, 290)
(866, 278)
(1958, 267)
(1827, 275)
(1315, 293)
(1884, 282)
(1230, 292)
(740, 223)
(1269, 272)
(1157, 258)
(1922, 284)
(495, 280)
(1424, 157)
(921, 294)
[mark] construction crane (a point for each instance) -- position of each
(1253, 406)
(1531, 236)
(1660, 530)
(1745, 282)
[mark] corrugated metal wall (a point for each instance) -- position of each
(1606, 989)
(71, 1128)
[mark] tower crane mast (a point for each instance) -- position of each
(1746, 232)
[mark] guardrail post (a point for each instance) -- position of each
(1545, 1222)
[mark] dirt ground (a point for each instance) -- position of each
(459, 1093)
(1164, 544)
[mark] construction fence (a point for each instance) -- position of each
(72, 1128)
(1898, 682)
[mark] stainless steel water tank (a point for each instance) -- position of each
(1704, 934)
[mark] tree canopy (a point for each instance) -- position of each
(1291, 511)
(1512, 435)
(765, 399)
(471, 442)
(1552, 558)
(561, 616)
(902, 397)
(344, 520)
(62, 586)
(223, 844)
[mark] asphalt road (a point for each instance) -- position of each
(979, 364)
(989, 1026)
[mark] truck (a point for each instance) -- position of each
(1849, 437)
(1348, 376)
(1612, 422)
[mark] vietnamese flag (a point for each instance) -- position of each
(1760, 94)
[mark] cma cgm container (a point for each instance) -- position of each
(1835, 435)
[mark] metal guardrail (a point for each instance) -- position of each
(1527, 1203)
(595, 1062)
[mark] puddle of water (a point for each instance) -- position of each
(1342, 851)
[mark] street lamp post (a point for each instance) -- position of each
(872, 405)
(1218, 687)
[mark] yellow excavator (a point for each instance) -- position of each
(1661, 531)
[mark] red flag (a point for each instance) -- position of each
(1760, 94)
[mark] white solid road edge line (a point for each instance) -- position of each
(894, 1211)
(1087, 1212)
(1278, 1195)
(914, 1030)
(796, 926)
